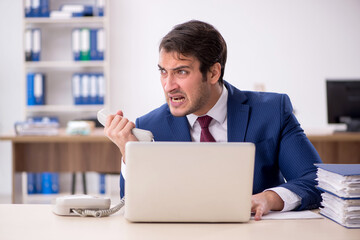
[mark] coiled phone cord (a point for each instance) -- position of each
(99, 213)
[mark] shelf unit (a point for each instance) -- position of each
(57, 64)
(64, 64)
(112, 191)
(94, 19)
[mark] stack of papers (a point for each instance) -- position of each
(80, 127)
(73, 10)
(38, 126)
(341, 198)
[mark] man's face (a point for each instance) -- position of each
(184, 86)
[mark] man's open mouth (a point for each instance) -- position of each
(177, 99)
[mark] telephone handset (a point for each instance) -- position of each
(140, 134)
(85, 205)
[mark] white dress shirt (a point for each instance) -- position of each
(218, 129)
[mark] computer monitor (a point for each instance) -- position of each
(343, 103)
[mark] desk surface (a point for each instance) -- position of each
(96, 136)
(38, 222)
(335, 137)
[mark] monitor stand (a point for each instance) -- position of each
(352, 124)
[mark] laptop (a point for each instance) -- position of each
(188, 182)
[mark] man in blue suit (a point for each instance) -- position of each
(191, 64)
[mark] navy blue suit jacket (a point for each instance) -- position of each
(266, 119)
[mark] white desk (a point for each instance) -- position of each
(38, 222)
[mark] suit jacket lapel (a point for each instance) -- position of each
(179, 128)
(238, 114)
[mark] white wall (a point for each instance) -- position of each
(11, 73)
(291, 46)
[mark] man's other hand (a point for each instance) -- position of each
(264, 202)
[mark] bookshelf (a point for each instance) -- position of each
(57, 64)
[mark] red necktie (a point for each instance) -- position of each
(205, 133)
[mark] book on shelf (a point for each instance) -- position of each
(84, 44)
(85, 88)
(88, 44)
(84, 10)
(340, 184)
(28, 44)
(32, 44)
(94, 89)
(101, 86)
(93, 48)
(76, 44)
(100, 8)
(37, 8)
(88, 88)
(42, 183)
(35, 89)
(102, 183)
(78, 10)
(41, 8)
(36, 45)
(49, 183)
(100, 44)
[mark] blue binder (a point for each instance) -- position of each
(50, 183)
(76, 44)
(102, 184)
(36, 44)
(94, 89)
(344, 198)
(35, 8)
(27, 8)
(38, 182)
(77, 14)
(342, 169)
(44, 10)
(46, 183)
(39, 89)
(101, 88)
(76, 88)
(93, 44)
(341, 193)
(100, 6)
(31, 185)
(88, 11)
(55, 187)
(28, 45)
(30, 89)
(85, 89)
(100, 45)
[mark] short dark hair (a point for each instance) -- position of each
(198, 39)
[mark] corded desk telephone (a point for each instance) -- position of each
(85, 205)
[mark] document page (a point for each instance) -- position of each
(307, 214)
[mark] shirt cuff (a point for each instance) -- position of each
(291, 199)
(123, 168)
